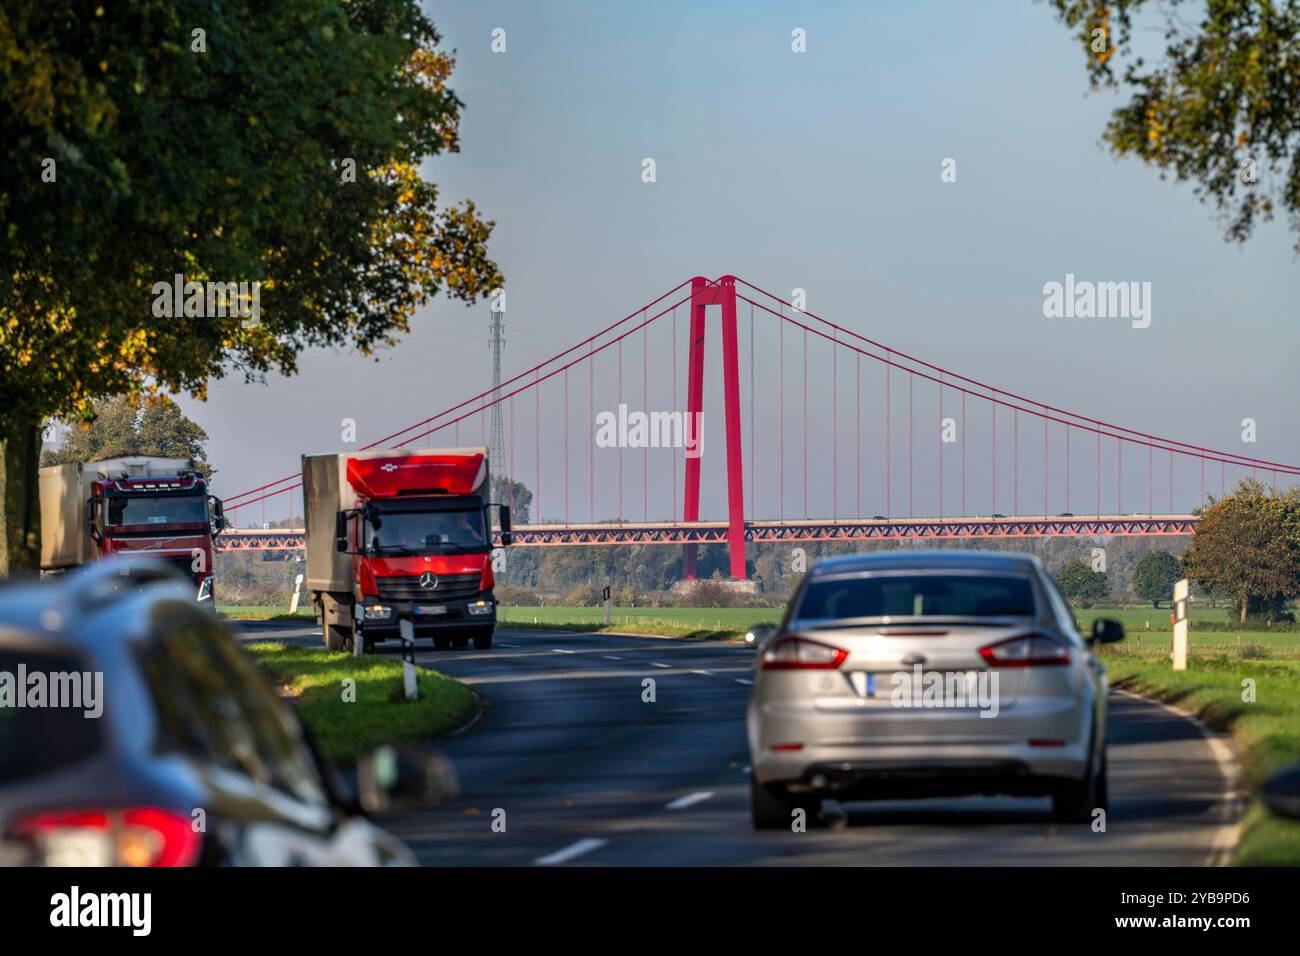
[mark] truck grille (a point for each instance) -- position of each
(183, 563)
(450, 587)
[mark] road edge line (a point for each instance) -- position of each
(1233, 804)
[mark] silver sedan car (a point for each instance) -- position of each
(910, 674)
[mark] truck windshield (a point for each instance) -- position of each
(427, 532)
(157, 509)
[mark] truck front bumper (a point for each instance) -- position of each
(428, 616)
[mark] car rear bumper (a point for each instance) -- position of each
(904, 752)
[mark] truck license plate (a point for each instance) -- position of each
(431, 609)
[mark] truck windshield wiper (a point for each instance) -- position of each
(401, 548)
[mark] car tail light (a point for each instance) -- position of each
(1034, 649)
(143, 836)
(801, 654)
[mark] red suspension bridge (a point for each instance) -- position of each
(1024, 446)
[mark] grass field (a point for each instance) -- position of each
(722, 623)
(251, 612)
(343, 729)
(709, 623)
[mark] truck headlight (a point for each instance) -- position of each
(480, 607)
(205, 590)
(377, 612)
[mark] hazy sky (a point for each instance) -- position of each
(819, 171)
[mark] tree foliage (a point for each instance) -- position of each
(1247, 548)
(516, 496)
(1219, 109)
(126, 427)
(161, 137)
(1154, 577)
(1082, 585)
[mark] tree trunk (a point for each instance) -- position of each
(20, 449)
(1245, 603)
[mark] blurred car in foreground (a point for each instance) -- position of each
(913, 674)
(135, 732)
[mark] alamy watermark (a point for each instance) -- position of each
(208, 300)
(1084, 299)
(76, 690)
(624, 429)
(937, 689)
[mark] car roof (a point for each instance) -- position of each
(927, 560)
(74, 609)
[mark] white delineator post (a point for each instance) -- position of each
(607, 603)
(1181, 590)
(407, 631)
(297, 593)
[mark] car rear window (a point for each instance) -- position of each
(921, 595)
(38, 740)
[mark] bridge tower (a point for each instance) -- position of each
(704, 293)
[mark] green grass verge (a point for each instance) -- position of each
(1266, 733)
(254, 612)
(380, 714)
(707, 623)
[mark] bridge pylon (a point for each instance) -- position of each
(704, 293)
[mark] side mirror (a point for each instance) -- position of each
(218, 512)
(503, 521)
(1281, 793)
(392, 779)
(341, 531)
(759, 634)
(91, 530)
(1106, 631)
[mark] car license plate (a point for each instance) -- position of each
(431, 609)
(864, 683)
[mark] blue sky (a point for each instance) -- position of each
(819, 171)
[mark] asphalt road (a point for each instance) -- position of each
(586, 772)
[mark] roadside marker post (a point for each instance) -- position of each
(297, 593)
(407, 631)
(605, 598)
(1181, 590)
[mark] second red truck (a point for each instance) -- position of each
(394, 534)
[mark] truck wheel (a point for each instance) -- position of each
(336, 638)
(483, 640)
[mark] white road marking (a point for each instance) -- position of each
(611, 657)
(690, 800)
(657, 664)
(741, 680)
(705, 673)
(560, 650)
(570, 852)
(1225, 838)
(507, 645)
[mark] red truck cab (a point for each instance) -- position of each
(170, 518)
(140, 505)
(412, 539)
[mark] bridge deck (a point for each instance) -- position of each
(845, 529)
